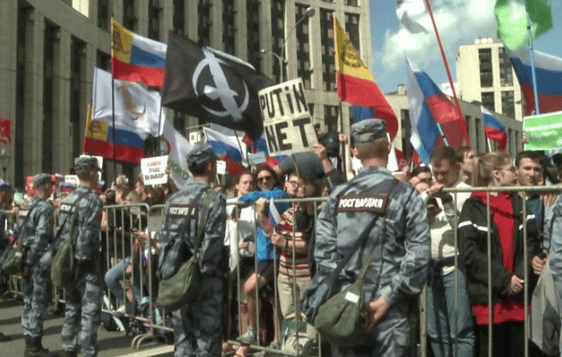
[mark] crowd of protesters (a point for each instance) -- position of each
(271, 265)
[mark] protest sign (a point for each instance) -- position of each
(544, 131)
(221, 167)
(286, 119)
(154, 170)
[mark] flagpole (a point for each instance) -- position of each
(113, 107)
(159, 129)
(113, 131)
(342, 145)
(240, 146)
(534, 75)
(444, 62)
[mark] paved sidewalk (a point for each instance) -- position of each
(110, 344)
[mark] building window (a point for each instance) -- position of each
(205, 23)
(331, 118)
(488, 101)
(351, 2)
(129, 15)
(103, 14)
(352, 29)
(506, 72)
(277, 34)
(154, 19)
(486, 76)
(327, 50)
(23, 14)
(228, 29)
(253, 32)
(508, 103)
(50, 38)
(304, 69)
(103, 61)
(179, 17)
(77, 54)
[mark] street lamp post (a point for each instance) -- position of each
(309, 12)
(4, 161)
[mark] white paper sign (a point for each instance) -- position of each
(72, 179)
(154, 170)
(221, 167)
(286, 119)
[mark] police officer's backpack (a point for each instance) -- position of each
(62, 267)
(180, 289)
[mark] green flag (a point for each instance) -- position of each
(512, 21)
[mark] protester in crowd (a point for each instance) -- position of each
(468, 160)
(420, 174)
(6, 199)
(450, 326)
(294, 185)
(399, 241)
(529, 173)
(84, 297)
(508, 265)
(268, 185)
(292, 237)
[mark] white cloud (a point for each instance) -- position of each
(458, 21)
(446, 88)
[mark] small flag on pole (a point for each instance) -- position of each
(495, 130)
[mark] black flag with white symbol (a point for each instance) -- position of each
(213, 86)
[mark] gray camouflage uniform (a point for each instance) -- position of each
(37, 238)
(198, 327)
(85, 296)
(398, 270)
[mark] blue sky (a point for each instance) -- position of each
(459, 22)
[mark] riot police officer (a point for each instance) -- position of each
(198, 326)
(37, 219)
(401, 246)
(83, 306)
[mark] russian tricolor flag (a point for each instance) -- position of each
(429, 107)
(136, 58)
(549, 78)
(495, 130)
(227, 150)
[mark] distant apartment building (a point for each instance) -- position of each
(52, 46)
(485, 74)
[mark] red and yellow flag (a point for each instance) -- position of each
(355, 81)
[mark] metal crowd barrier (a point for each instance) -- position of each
(423, 307)
(119, 244)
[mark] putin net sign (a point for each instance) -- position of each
(286, 120)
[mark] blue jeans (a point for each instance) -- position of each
(117, 273)
(446, 331)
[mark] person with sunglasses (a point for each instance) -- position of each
(268, 184)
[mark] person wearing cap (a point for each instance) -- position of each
(400, 246)
(6, 194)
(36, 222)
(198, 326)
(83, 306)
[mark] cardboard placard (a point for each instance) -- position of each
(221, 167)
(154, 170)
(544, 131)
(286, 120)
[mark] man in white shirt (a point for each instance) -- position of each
(447, 330)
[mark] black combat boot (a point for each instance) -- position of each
(34, 348)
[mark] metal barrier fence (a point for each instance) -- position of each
(121, 249)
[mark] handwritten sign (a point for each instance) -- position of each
(154, 170)
(287, 123)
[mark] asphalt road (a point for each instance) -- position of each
(109, 343)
